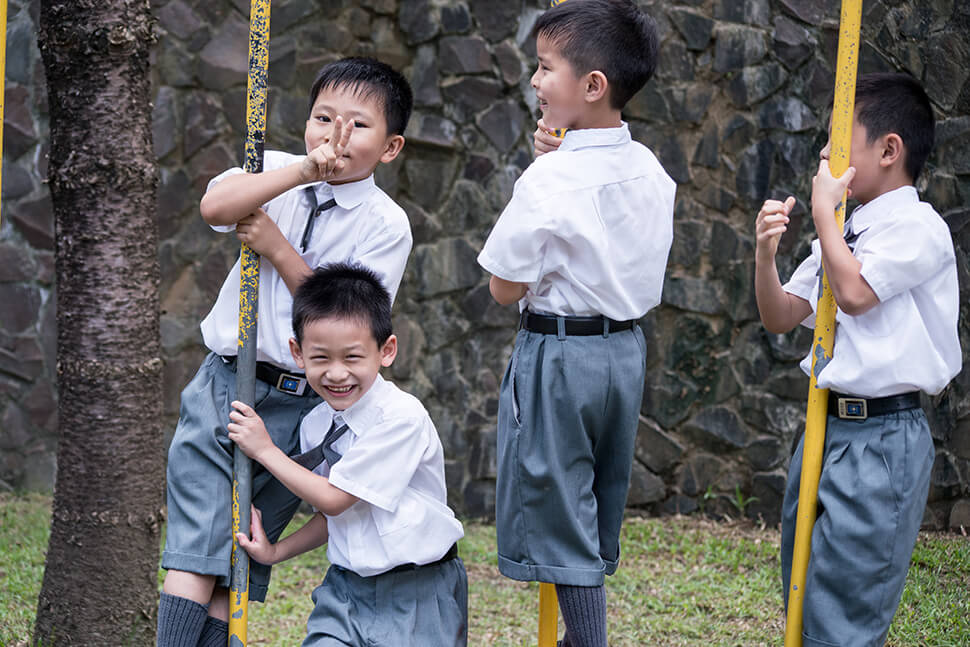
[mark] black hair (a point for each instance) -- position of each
(368, 78)
(345, 291)
(896, 103)
(612, 36)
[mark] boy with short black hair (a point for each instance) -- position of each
(299, 213)
(373, 467)
(582, 246)
(894, 278)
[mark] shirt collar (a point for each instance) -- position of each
(576, 139)
(363, 414)
(866, 214)
(348, 195)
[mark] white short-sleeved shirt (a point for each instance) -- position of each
(909, 340)
(393, 462)
(365, 227)
(588, 228)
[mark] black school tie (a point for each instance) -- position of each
(849, 235)
(314, 212)
(324, 451)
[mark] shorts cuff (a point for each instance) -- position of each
(203, 565)
(194, 563)
(551, 574)
(808, 641)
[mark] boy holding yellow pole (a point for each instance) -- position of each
(894, 279)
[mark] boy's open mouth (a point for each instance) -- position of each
(339, 390)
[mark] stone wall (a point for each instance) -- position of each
(736, 113)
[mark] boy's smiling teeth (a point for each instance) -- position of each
(340, 389)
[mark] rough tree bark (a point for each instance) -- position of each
(100, 585)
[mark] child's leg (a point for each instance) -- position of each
(872, 494)
(584, 614)
(199, 537)
(180, 621)
(215, 633)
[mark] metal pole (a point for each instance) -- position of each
(814, 445)
(548, 602)
(248, 312)
(3, 67)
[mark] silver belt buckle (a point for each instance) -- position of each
(853, 409)
(293, 384)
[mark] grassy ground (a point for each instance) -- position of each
(682, 582)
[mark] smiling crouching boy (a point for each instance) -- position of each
(373, 468)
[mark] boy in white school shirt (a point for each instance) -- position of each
(372, 466)
(582, 246)
(894, 278)
(299, 213)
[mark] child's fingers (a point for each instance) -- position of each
(343, 138)
(242, 408)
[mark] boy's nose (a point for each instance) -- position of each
(825, 152)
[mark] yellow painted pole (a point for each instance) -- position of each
(3, 71)
(814, 445)
(248, 312)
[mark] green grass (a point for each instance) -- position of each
(683, 581)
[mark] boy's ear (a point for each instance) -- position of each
(596, 86)
(892, 150)
(296, 353)
(392, 147)
(389, 351)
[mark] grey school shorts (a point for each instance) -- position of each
(423, 607)
(199, 534)
(567, 422)
(871, 497)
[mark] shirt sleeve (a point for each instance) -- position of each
(904, 254)
(381, 464)
(216, 180)
(804, 280)
(514, 248)
(386, 253)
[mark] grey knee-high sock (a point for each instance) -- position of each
(584, 614)
(215, 633)
(180, 621)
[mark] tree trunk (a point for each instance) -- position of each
(100, 580)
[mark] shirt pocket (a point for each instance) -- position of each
(402, 517)
(885, 317)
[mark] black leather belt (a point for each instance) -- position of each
(281, 380)
(450, 555)
(574, 326)
(849, 407)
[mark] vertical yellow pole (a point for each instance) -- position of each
(3, 71)
(248, 311)
(841, 138)
(548, 615)
(548, 603)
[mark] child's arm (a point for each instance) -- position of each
(247, 431)
(260, 232)
(237, 196)
(779, 310)
(852, 293)
(312, 535)
(506, 292)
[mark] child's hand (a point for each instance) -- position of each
(545, 141)
(326, 160)
(260, 232)
(259, 547)
(772, 222)
(248, 431)
(827, 191)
